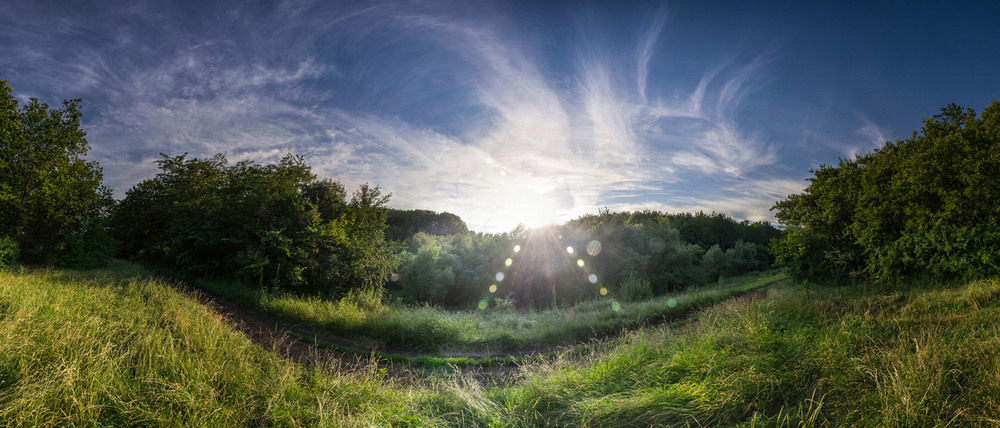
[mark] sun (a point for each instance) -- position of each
(531, 209)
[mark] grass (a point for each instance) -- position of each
(802, 357)
(463, 333)
(114, 347)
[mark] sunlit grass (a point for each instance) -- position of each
(802, 357)
(458, 332)
(114, 347)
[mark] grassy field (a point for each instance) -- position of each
(458, 332)
(113, 347)
(802, 357)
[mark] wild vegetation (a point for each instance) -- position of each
(271, 226)
(116, 347)
(497, 328)
(53, 207)
(892, 321)
(630, 254)
(924, 207)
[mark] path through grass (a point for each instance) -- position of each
(478, 333)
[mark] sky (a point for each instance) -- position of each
(531, 112)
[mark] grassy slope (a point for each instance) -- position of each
(113, 347)
(434, 329)
(923, 357)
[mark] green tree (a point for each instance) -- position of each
(926, 206)
(52, 199)
(268, 225)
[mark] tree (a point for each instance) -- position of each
(52, 199)
(927, 206)
(268, 225)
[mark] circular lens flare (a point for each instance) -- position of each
(493, 288)
(579, 262)
(594, 247)
(603, 291)
(569, 250)
(615, 306)
(499, 276)
(672, 302)
(517, 248)
(483, 304)
(509, 262)
(592, 278)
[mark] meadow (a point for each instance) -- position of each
(498, 329)
(118, 347)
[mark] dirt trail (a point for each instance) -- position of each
(269, 332)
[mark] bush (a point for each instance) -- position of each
(8, 251)
(634, 288)
(924, 207)
(267, 225)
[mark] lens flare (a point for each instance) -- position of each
(569, 250)
(509, 262)
(615, 306)
(517, 248)
(394, 277)
(594, 247)
(483, 304)
(579, 262)
(592, 278)
(493, 288)
(499, 276)
(603, 291)
(671, 302)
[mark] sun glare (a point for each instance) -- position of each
(522, 201)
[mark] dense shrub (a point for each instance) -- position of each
(927, 206)
(634, 288)
(8, 251)
(268, 225)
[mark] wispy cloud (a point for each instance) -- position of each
(539, 144)
(646, 46)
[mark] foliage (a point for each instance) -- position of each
(8, 251)
(927, 206)
(634, 289)
(268, 225)
(403, 224)
(552, 266)
(52, 202)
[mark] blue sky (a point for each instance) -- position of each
(508, 112)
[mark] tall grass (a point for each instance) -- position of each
(461, 332)
(817, 357)
(114, 347)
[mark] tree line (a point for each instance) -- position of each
(278, 226)
(621, 255)
(927, 207)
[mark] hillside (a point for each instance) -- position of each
(114, 347)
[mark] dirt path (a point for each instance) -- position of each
(271, 332)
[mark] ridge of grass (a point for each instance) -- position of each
(115, 347)
(806, 356)
(457, 333)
